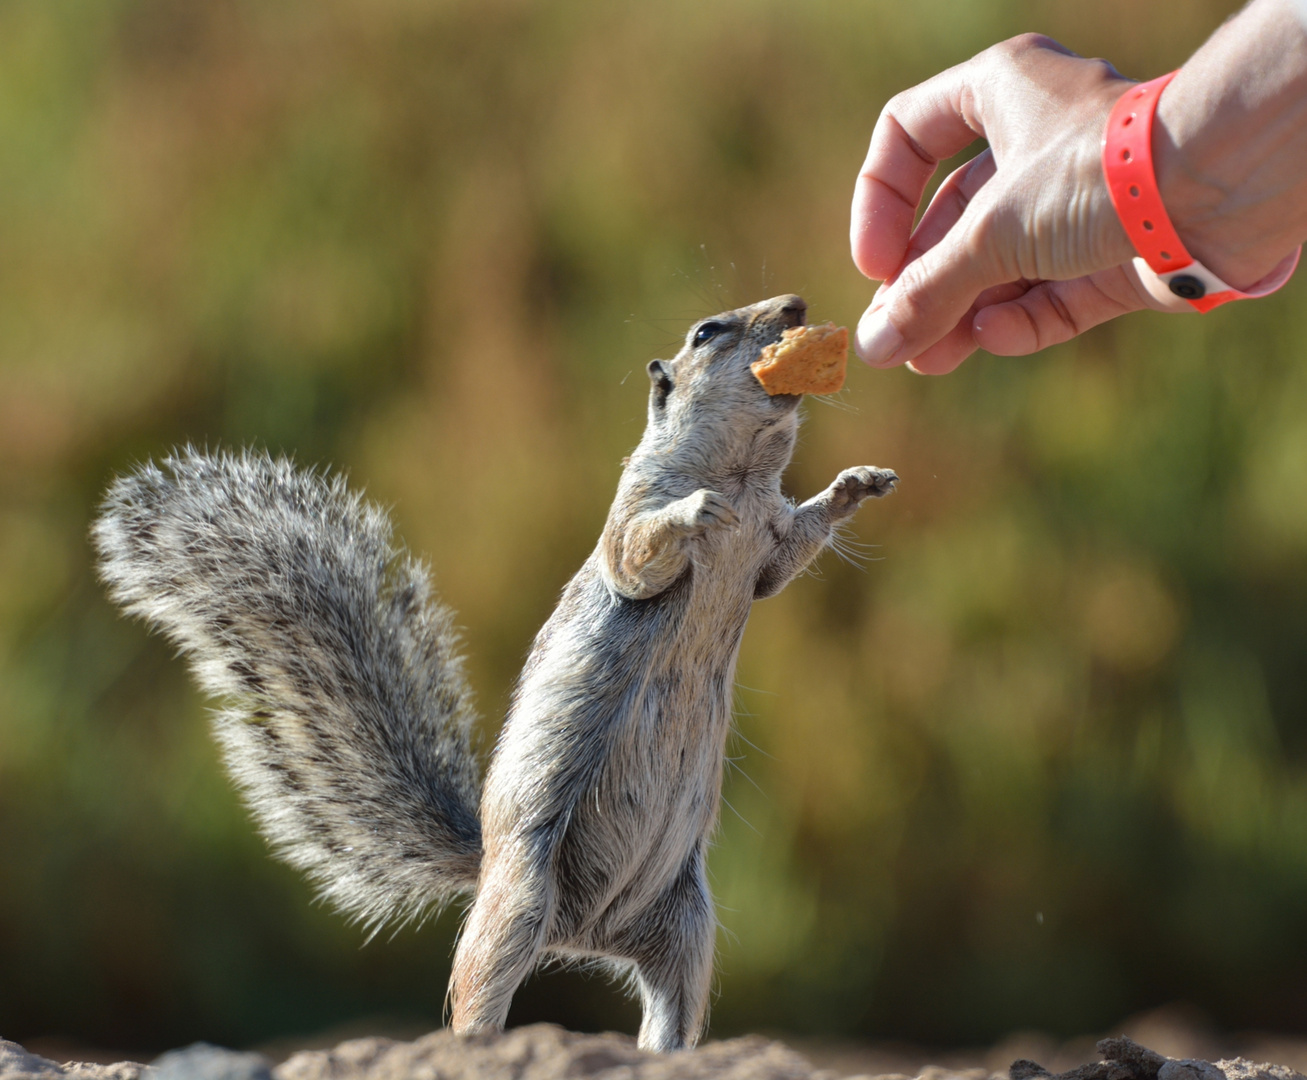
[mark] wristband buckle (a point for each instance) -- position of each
(1195, 288)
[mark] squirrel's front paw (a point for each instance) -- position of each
(706, 510)
(853, 486)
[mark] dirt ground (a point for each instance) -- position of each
(545, 1052)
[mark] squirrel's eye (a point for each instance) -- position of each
(707, 332)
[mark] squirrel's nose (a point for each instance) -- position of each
(790, 310)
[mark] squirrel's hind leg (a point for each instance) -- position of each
(672, 946)
(502, 938)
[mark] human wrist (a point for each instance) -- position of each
(1229, 150)
(1208, 205)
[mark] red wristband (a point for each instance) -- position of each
(1171, 275)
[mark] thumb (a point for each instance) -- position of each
(929, 296)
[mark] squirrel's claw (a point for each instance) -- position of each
(709, 509)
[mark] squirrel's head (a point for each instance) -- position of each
(707, 404)
(713, 365)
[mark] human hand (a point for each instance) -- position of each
(1020, 248)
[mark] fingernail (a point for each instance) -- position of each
(876, 340)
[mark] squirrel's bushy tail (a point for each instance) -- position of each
(348, 721)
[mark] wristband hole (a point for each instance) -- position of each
(1125, 155)
(1166, 256)
(1128, 120)
(1134, 191)
(1148, 225)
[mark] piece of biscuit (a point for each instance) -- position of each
(806, 360)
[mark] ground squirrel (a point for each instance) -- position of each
(348, 721)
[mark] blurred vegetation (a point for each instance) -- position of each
(1042, 764)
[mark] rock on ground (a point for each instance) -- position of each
(17, 1064)
(547, 1052)
(1124, 1059)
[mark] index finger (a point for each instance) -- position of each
(916, 130)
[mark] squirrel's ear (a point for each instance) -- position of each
(662, 382)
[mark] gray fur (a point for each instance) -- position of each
(349, 723)
(349, 734)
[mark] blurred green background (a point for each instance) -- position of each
(1041, 765)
